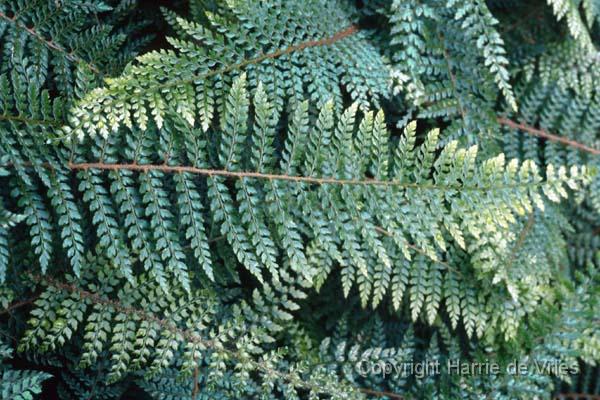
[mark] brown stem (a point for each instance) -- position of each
(349, 31)
(546, 135)
(452, 79)
(302, 46)
(312, 43)
(230, 174)
(196, 389)
(185, 334)
(49, 43)
(521, 240)
(282, 177)
(97, 299)
(377, 393)
(19, 304)
(18, 118)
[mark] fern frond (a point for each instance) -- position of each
(319, 59)
(450, 202)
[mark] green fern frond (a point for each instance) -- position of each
(317, 63)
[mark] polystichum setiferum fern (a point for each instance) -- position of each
(295, 194)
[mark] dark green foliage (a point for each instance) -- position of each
(294, 197)
(18, 384)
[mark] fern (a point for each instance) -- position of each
(18, 384)
(364, 237)
(267, 56)
(291, 200)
